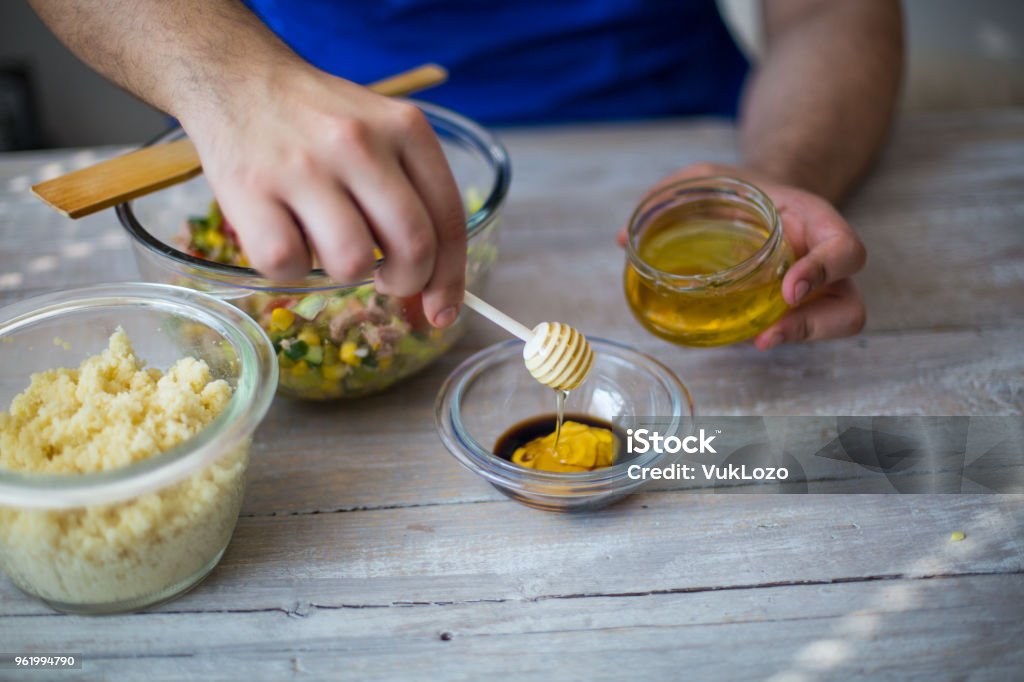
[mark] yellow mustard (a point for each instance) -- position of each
(580, 448)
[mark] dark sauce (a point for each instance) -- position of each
(537, 427)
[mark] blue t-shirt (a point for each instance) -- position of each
(529, 60)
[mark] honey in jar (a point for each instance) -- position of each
(705, 262)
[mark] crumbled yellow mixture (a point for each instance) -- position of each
(109, 413)
(580, 448)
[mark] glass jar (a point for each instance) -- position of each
(126, 538)
(705, 261)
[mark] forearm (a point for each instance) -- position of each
(816, 111)
(178, 55)
(270, 130)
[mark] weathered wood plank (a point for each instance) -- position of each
(878, 630)
(652, 542)
(940, 215)
(938, 158)
(384, 450)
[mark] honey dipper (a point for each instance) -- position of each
(556, 354)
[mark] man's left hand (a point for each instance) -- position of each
(825, 302)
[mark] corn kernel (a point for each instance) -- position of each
(309, 336)
(281, 319)
(957, 536)
(300, 369)
(473, 199)
(333, 372)
(348, 353)
(384, 363)
(215, 238)
(330, 354)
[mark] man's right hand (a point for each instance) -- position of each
(303, 162)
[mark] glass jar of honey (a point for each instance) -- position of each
(705, 262)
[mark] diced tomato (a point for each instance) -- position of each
(412, 311)
(282, 302)
(228, 230)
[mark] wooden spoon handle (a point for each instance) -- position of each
(149, 169)
(408, 82)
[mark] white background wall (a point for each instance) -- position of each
(963, 53)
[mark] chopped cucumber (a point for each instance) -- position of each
(216, 219)
(408, 345)
(310, 306)
(297, 350)
(315, 355)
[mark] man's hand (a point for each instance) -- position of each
(814, 115)
(307, 164)
(302, 163)
(826, 302)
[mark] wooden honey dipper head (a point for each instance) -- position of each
(558, 356)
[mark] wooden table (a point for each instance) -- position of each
(365, 551)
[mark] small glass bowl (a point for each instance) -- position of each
(492, 391)
(735, 234)
(355, 341)
(130, 537)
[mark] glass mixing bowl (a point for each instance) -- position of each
(336, 340)
(129, 537)
(492, 390)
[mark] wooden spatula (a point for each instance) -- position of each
(146, 170)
